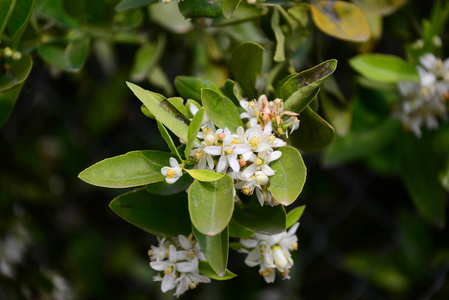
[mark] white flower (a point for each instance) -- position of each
(253, 109)
(189, 281)
(205, 160)
(191, 249)
(160, 252)
(172, 173)
(271, 252)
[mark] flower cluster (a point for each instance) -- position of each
(271, 252)
(426, 101)
(245, 154)
(178, 262)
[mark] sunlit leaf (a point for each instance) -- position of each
(287, 183)
(189, 87)
(215, 249)
(194, 128)
(220, 110)
(384, 68)
(299, 90)
(168, 217)
(131, 169)
(279, 54)
(294, 215)
(340, 19)
(204, 175)
(211, 205)
(164, 110)
(246, 65)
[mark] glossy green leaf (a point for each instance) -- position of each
(7, 100)
(6, 9)
(178, 102)
(207, 270)
(313, 134)
(131, 169)
(340, 19)
(246, 66)
(164, 188)
(420, 167)
(279, 53)
(167, 138)
(194, 128)
(200, 8)
(76, 54)
(220, 110)
(164, 110)
(294, 215)
(215, 249)
(129, 4)
(229, 7)
(287, 183)
(301, 89)
(236, 230)
(229, 90)
(204, 175)
(164, 217)
(17, 73)
(384, 68)
(211, 205)
(189, 87)
(261, 219)
(19, 20)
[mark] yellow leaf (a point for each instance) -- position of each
(340, 19)
(380, 7)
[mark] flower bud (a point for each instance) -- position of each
(209, 139)
(279, 258)
(261, 178)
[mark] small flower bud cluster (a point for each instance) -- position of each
(9, 53)
(271, 252)
(245, 154)
(426, 101)
(178, 263)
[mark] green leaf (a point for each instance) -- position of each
(220, 110)
(200, 8)
(246, 66)
(279, 54)
(384, 68)
(207, 270)
(444, 178)
(6, 9)
(380, 7)
(145, 59)
(18, 20)
(163, 217)
(215, 249)
(194, 128)
(164, 188)
(261, 219)
(229, 7)
(76, 54)
(131, 169)
(17, 73)
(313, 134)
(301, 89)
(54, 11)
(420, 167)
(164, 110)
(340, 19)
(129, 4)
(189, 87)
(166, 136)
(243, 13)
(204, 175)
(294, 215)
(211, 204)
(7, 100)
(287, 183)
(228, 91)
(236, 230)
